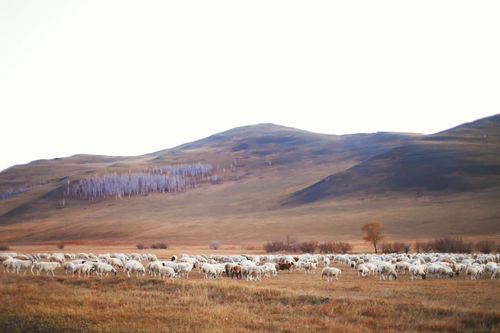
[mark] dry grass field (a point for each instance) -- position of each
(291, 302)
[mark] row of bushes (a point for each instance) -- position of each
(456, 245)
(157, 245)
(443, 245)
(214, 245)
(307, 247)
(396, 247)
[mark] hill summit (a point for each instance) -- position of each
(261, 182)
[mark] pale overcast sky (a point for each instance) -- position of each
(133, 77)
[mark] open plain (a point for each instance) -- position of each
(292, 301)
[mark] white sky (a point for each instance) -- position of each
(129, 78)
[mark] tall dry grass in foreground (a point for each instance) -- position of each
(294, 302)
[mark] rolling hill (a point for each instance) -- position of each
(465, 158)
(272, 181)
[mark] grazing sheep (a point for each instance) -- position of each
(82, 256)
(135, 256)
(154, 267)
(22, 257)
(105, 269)
(208, 271)
(167, 272)
(115, 262)
(183, 269)
(56, 258)
(8, 265)
(253, 273)
(473, 272)
(388, 271)
(134, 266)
(330, 273)
(85, 269)
(402, 267)
(69, 267)
(236, 271)
(417, 272)
(496, 272)
(45, 267)
(151, 257)
(4, 257)
(310, 267)
(363, 270)
(22, 265)
(269, 270)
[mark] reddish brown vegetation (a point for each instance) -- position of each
(335, 247)
(445, 245)
(373, 233)
(396, 247)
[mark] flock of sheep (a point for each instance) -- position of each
(256, 267)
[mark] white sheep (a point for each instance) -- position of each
(104, 269)
(310, 267)
(19, 265)
(496, 272)
(473, 272)
(330, 273)
(388, 271)
(167, 272)
(209, 271)
(253, 273)
(85, 269)
(154, 267)
(132, 266)
(115, 262)
(417, 272)
(8, 265)
(45, 267)
(183, 269)
(69, 267)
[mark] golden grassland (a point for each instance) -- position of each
(294, 302)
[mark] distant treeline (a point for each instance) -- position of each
(11, 192)
(152, 180)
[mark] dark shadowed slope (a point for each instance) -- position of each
(464, 158)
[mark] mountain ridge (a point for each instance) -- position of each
(262, 168)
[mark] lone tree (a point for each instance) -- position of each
(373, 233)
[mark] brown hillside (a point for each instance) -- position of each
(260, 166)
(462, 159)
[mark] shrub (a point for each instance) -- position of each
(447, 245)
(335, 247)
(141, 246)
(485, 246)
(60, 246)
(159, 245)
(396, 247)
(214, 245)
(386, 248)
(326, 247)
(344, 247)
(273, 246)
(4, 248)
(423, 247)
(307, 247)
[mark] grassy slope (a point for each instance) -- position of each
(464, 158)
(247, 206)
